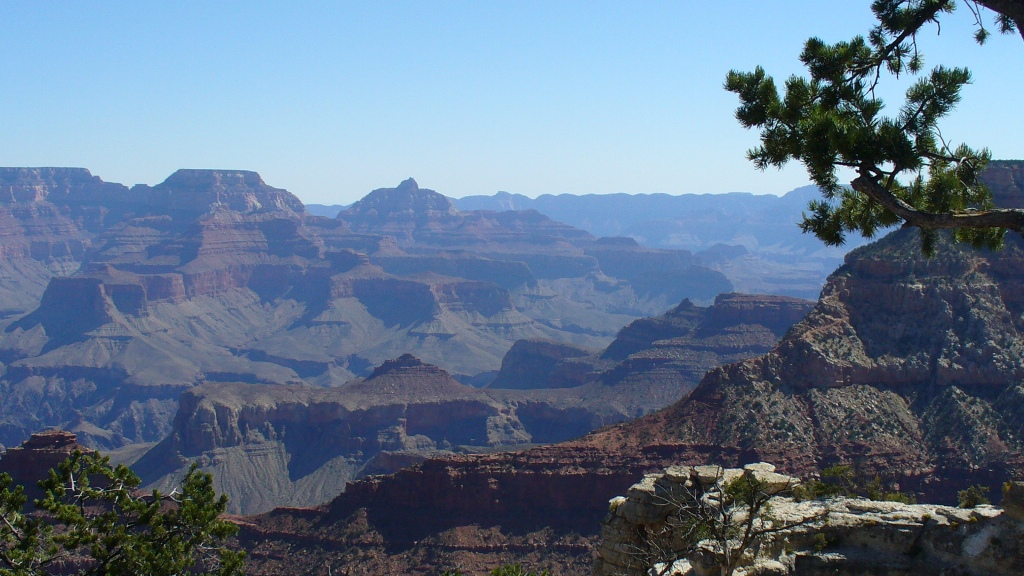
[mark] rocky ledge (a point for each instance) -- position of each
(32, 461)
(837, 536)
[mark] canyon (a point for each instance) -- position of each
(117, 300)
(280, 445)
(907, 369)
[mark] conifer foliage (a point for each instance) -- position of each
(93, 521)
(906, 171)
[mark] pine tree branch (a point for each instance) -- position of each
(1012, 9)
(1011, 219)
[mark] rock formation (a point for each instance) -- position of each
(32, 461)
(116, 300)
(908, 367)
(197, 191)
(649, 280)
(541, 508)
(659, 359)
(1005, 178)
(752, 239)
(311, 441)
(817, 537)
(537, 364)
(271, 445)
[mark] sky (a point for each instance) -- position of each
(331, 100)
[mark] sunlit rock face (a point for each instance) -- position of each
(810, 538)
(201, 190)
(32, 461)
(271, 445)
(1005, 178)
(907, 367)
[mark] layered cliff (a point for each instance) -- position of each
(190, 192)
(475, 512)
(32, 461)
(46, 226)
(553, 259)
(654, 361)
(299, 445)
(116, 300)
(907, 367)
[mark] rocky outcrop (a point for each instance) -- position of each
(32, 461)
(907, 367)
(86, 199)
(540, 508)
(298, 445)
(401, 212)
(659, 359)
(1005, 178)
(536, 364)
(199, 191)
(185, 194)
(643, 532)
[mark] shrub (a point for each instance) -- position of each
(973, 496)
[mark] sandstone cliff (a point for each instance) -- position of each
(298, 445)
(908, 367)
(656, 360)
(116, 300)
(32, 461)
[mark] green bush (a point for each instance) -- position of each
(973, 496)
(93, 520)
(841, 480)
(835, 480)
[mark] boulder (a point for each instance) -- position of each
(835, 536)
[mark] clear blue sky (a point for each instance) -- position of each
(333, 99)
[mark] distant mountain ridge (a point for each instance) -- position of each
(115, 300)
(715, 218)
(623, 214)
(753, 239)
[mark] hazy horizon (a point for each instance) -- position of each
(333, 100)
